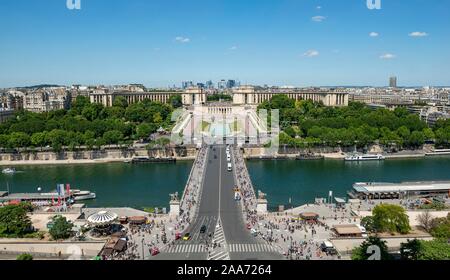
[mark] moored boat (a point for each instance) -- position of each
(83, 195)
(439, 152)
(365, 157)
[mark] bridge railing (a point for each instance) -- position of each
(244, 181)
(194, 186)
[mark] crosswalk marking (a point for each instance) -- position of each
(187, 248)
(220, 252)
(251, 248)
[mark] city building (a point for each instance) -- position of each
(252, 96)
(393, 82)
(5, 114)
(222, 84)
(209, 84)
(46, 99)
(231, 84)
(194, 96)
(107, 97)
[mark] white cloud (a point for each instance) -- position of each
(418, 34)
(388, 56)
(233, 48)
(182, 39)
(374, 34)
(318, 7)
(318, 18)
(311, 53)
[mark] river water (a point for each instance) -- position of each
(149, 185)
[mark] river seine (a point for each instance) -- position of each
(149, 185)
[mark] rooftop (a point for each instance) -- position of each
(401, 187)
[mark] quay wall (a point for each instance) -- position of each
(105, 155)
(332, 152)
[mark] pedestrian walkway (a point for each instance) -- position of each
(251, 248)
(219, 251)
(187, 248)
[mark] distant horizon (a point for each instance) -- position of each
(276, 42)
(249, 84)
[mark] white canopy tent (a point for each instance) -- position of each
(102, 218)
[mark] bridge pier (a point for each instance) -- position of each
(174, 208)
(261, 206)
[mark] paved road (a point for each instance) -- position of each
(218, 204)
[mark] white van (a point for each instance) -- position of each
(230, 167)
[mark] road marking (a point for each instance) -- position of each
(256, 247)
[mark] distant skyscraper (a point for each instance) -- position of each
(222, 84)
(209, 84)
(231, 84)
(186, 84)
(393, 82)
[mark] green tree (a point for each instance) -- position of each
(429, 134)
(441, 227)
(80, 103)
(363, 252)
(19, 140)
(438, 249)
(39, 139)
(410, 250)
(14, 221)
(176, 101)
(390, 218)
(368, 223)
(24, 257)
(113, 137)
(416, 139)
(121, 102)
(4, 140)
(144, 130)
(61, 229)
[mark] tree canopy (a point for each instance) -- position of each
(370, 248)
(307, 124)
(14, 221)
(390, 218)
(86, 123)
(61, 229)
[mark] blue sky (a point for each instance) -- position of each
(275, 42)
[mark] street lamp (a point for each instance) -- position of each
(143, 251)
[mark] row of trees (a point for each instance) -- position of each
(438, 249)
(388, 218)
(15, 223)
(89, 124)
(307, 124)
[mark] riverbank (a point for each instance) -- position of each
(75, 161)
(178, 153)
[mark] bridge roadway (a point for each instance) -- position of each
(217, 202)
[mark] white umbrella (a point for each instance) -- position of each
(102, 218)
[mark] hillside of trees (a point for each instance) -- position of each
(309, 124)
(86, 124)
